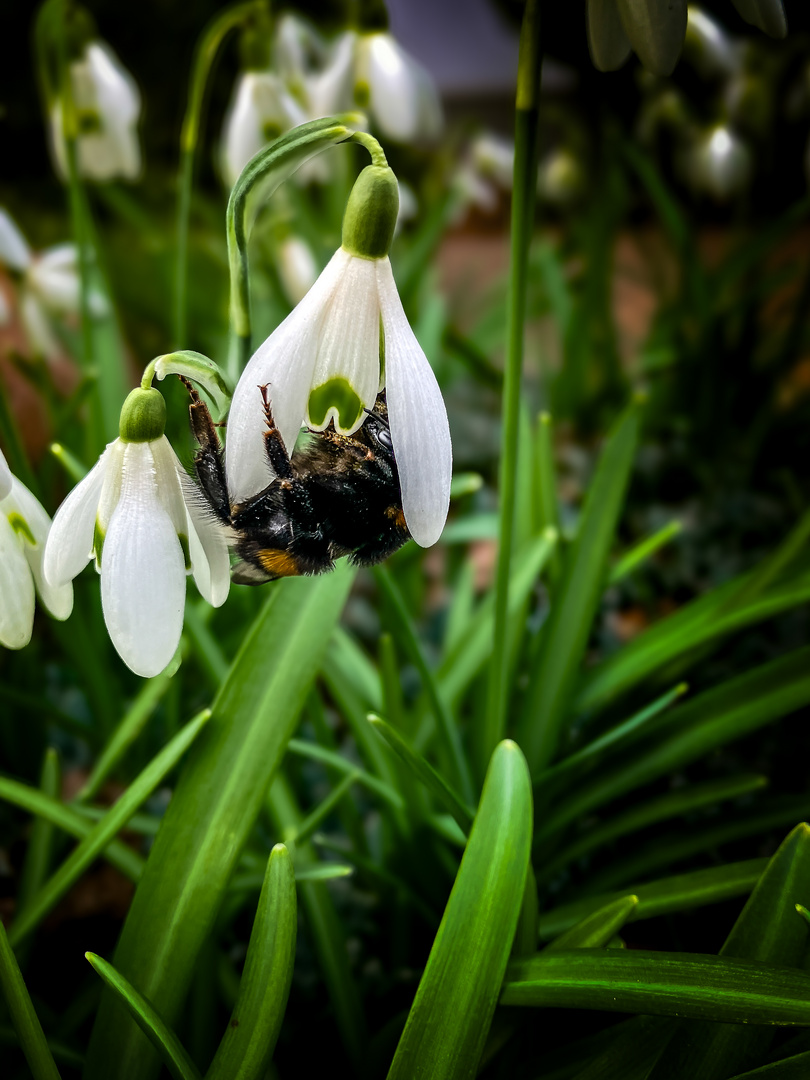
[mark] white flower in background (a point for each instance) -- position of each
(24, 527)
(322, 364)
(261, 109)
(108, 105)
(719, 163)
(297, 268)
(49, 286)
(397, 90)
(146, 524)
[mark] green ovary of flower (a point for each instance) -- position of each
(335, 394)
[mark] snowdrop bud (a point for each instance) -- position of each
(143, 416)
(371, 213)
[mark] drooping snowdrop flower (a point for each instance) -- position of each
(141, 517)
(261, 109)
(49, 285)
(297, 268)
(24, 527)
(655, 29)
(323, 364)
(108, 104)
(397, 90)
(719, 163)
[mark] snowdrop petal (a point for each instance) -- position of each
(170, 493)
(111, 487)
(70, 540)
(297, 268)
(284, 362)
(347, 369)
(402, 95)
(57, 284)
(260, 110)
(6, 477)
(418, 419)
(119, 102)
(14, 250)
(208, 545)
(766, 15)
(38, 331)
(143, 584)
(330, 91)
(58, 599)
(16, 589)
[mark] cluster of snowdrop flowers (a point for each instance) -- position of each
(146, 524)
(107, 106)
(24, 527)
(49, 286)
(323, 364)
(311, 78)
(655, 29)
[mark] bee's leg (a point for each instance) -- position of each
(274, 446)
(208, 459)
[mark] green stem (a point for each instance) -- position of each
(207, 48)
(523, 204)
(378, 157)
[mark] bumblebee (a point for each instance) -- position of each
(338, 495)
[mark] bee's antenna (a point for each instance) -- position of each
(380, 419)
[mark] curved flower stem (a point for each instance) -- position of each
(523, 204)
(378, 157)
(257, 182)
(207, 48)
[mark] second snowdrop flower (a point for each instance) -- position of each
(326, 363)
(140, 516)
(107, 104)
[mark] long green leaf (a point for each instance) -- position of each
(576, 598)
(248, 1043)
(677, 636)
(449, 1020)
(661, 984)
(792, 1068)
(422, 769)
(25, 1020)
(214, 806)
(148, 1020)
(721, 715)
(597, 929)
(103, 832)
(677, 893)
(38, 854)
(767, 931)
(71, 821)
(665, 807)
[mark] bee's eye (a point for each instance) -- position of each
(384, 437)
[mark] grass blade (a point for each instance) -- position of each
(449, 1020)
(596, 930)
(677, 893)
(148, 1020)
(248, 1043)
(767, 931)
(25, 1020)
(103, 832)
(425, 772)
(576, 598)
(117, 854)
(690, 985)
(214, 806)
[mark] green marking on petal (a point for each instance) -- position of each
(98, 543)
(335, 394)
(186, 551)
(362, 94)
(20, 527)
(88, 121)
(271, 130)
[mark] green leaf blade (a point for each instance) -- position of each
(448, 1023)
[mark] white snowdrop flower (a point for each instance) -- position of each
(398, 91)
(719, 163)
(261, 109)
(24, 527)
(49, 285)
(144, 521)
(297, 268)
(108, 105)
(323, 365)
